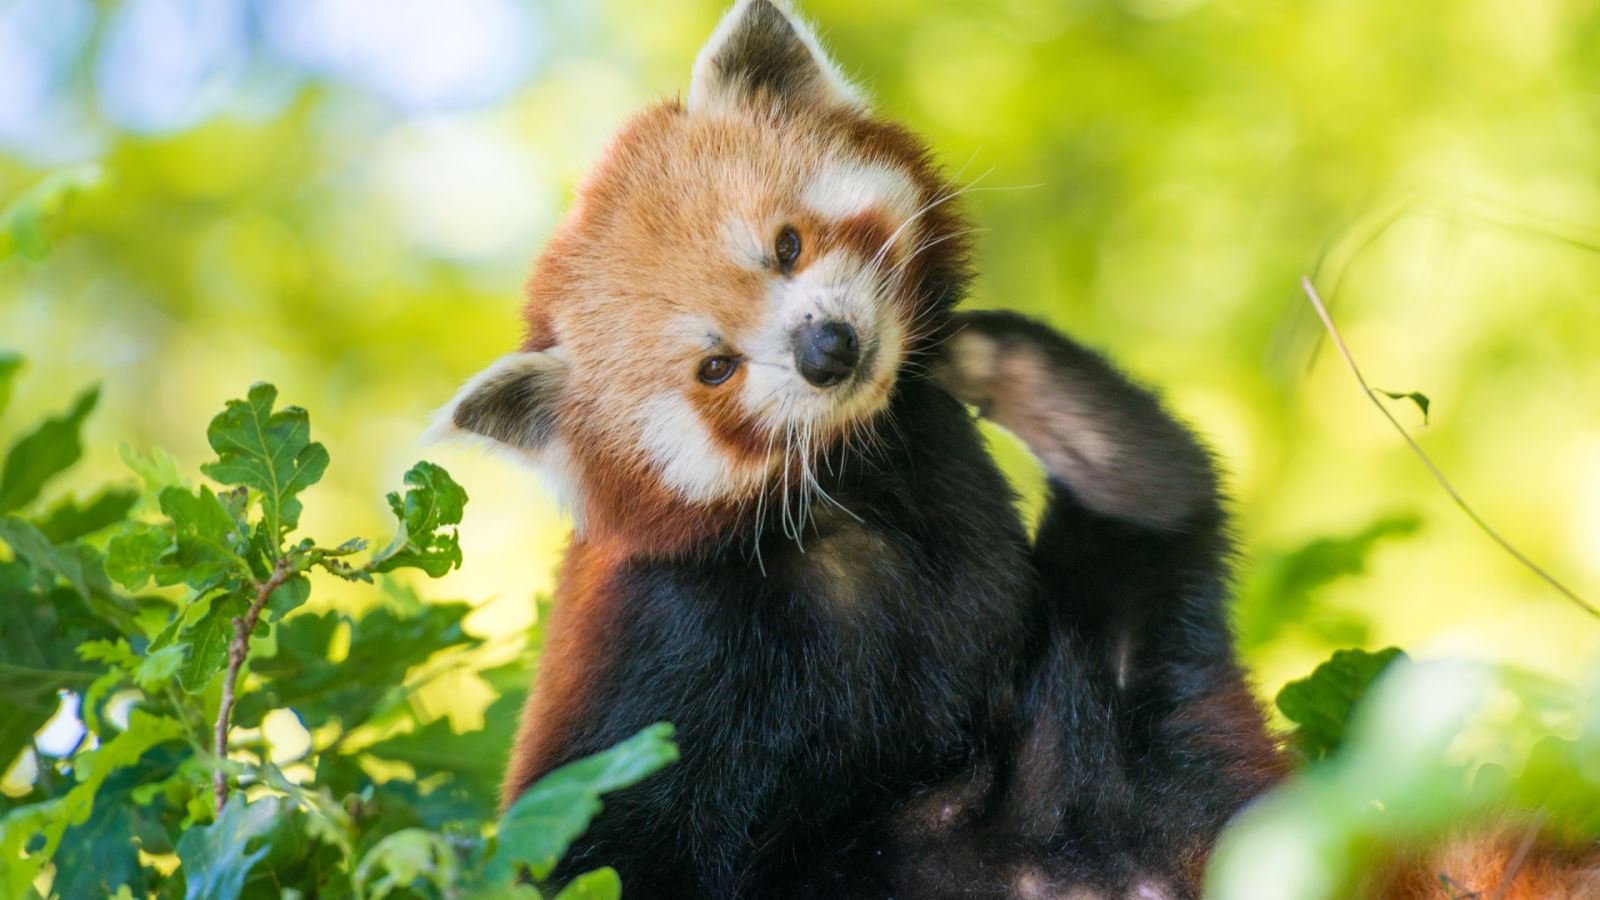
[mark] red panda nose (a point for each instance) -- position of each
(826, 354)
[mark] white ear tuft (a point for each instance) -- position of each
(762, 53)
(513, 402)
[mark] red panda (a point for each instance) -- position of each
(743, 364)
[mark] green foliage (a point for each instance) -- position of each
(1405, 753)
(536, 831)
(216, 858)
(46, 452)
(1320, 704)
(1282, 592)
(25, 225)
(268, 452)
(222, 584)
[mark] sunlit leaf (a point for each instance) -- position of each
(601, 884)
(432, 503)
(40, 826)
(155, 467)
(268, 452)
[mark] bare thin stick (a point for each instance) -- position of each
(1520, 856)
(1338, 341)
(238, 649)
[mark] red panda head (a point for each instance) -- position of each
(739, 285)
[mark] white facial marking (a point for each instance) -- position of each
(697, 332)
(832, 287)
(844, 188)
(745, 244)
(677, 442)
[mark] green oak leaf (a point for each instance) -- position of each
(44, 453)
(1320, 704)
(209, 539)
(433, 502)
(133, 557)
(539, 827)
(216, 858)
(268, 452)
(289, 596)
(207, 641)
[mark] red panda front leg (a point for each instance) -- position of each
(1133, 555)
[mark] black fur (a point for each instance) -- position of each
(804, 716)
(958, 727)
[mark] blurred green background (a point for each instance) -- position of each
(343, 197)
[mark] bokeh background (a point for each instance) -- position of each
(343, 198)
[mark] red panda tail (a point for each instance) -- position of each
(1505, 862)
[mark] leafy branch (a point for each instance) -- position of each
(241, 568)
(227, 567)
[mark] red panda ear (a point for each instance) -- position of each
(514, 402)
(761, 54)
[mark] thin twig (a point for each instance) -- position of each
(238, 649)
(1338, 341)
(1519, 857)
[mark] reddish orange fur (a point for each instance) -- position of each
(575, 639)
(1478, 866)
(623, 264)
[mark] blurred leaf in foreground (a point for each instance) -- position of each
(536, 831)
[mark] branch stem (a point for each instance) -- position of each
(238, 649)
(1485, 527)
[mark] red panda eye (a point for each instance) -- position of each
(717, 369)
(787, 246)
